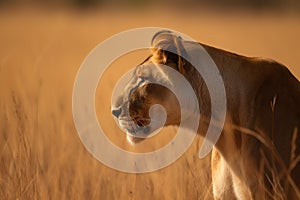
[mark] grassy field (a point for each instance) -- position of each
(41, 155)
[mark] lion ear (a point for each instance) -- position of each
(168, 48)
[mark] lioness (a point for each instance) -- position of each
(257, 155)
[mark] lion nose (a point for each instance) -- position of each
(116, 112)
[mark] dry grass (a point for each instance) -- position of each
(40, 53)
(273, 171)
(277, 175)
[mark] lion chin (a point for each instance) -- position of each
(132, 139)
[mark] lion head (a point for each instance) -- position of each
(149, 86)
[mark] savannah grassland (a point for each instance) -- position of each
(41, 155)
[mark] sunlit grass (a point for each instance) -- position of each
(41, 156)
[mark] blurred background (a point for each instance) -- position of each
(252, 4)
(42, 45)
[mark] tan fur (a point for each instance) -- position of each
(252, 157)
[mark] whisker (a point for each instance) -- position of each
(142, 123)
(147, 119)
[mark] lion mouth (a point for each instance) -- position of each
(139, 128)
(135, 132)
(135, 128)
